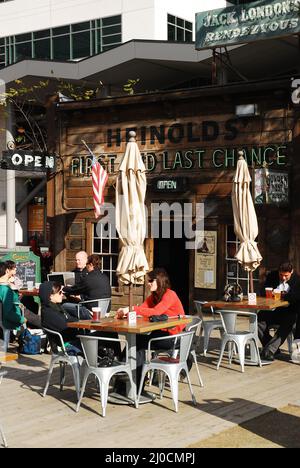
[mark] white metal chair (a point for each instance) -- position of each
(239, 338)
(169, 366)
(208, 325)
(61, 357)
(195, 326)
(103, 304)
(103, 374)
(2, 374)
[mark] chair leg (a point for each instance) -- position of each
(104, 396)
(206, 334)
(223, 345)
(62, 366)
(3, 437)
(290, 339)
(190, 386)
(76, 375)
(85, 378)
(174, 389)
(48, 378)
(193, 353)
(257, 353)
(144, 372)
(241, 351)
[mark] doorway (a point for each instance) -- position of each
(171, 254)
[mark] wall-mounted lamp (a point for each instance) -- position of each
(246, 110)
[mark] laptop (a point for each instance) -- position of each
(64, 278)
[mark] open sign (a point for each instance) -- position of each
(20, 160)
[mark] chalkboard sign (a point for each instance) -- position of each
(28, 266)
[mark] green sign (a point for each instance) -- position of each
(264, 19)
(28, 266)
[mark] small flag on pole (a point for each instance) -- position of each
(99, 179)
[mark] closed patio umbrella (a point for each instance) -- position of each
(131, 217)
(245, 220)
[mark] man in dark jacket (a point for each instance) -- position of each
(80, 270)
(95, 285)
(283, 318)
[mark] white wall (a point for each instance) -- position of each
(142, 19)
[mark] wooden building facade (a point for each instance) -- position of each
(189, 140)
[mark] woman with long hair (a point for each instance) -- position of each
(162, 300)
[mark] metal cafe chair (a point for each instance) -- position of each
(103, 304)
(60, 356)
(170, 366)
(2, 374)
(103, 374)
(238, 337)
(208, 325)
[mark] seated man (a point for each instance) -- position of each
(283, 318)
(80, 270)
(94, 285)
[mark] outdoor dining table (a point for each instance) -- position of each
(29, 292)
(122, 326)
(262, 303)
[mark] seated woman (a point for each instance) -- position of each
(161, 301)
(12, 316)
(94, 285)
(56, 318)
(29, 308)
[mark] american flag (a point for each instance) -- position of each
(99, 178)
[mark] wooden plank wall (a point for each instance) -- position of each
(273, 126)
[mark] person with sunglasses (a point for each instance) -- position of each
(162, 300)
(54, 316)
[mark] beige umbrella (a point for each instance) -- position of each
(245, 220)
(131, 217)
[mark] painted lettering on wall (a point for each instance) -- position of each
(190, 160)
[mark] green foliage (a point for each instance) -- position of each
(129, 87)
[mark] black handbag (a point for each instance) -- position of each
(158, 318)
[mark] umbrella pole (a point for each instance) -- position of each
(130, 297)
(251, 282)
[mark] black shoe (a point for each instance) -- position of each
(277, 353)
(266, 355)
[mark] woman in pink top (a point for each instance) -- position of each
(163, 300)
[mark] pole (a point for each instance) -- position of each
(251, 282)
(10, 187)
(130, 297)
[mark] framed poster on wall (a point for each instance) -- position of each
(206, 260)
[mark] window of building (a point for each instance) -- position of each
(234, 271)
(106, 245)
(69, 42)
(179, 29)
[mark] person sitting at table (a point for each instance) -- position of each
(162, 300)
(283, 318)
(8, 278)
(12, 316)
(80, 271)
(95, 285)
(55, 317)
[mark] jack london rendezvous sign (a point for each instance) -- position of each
(264, 19)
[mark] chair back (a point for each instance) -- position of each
(199, 305)
(183, 342)
(229, 320)
(55, 337)
(102, 304)
(90, 348)
(195, 324)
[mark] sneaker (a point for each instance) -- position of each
(267, 355)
